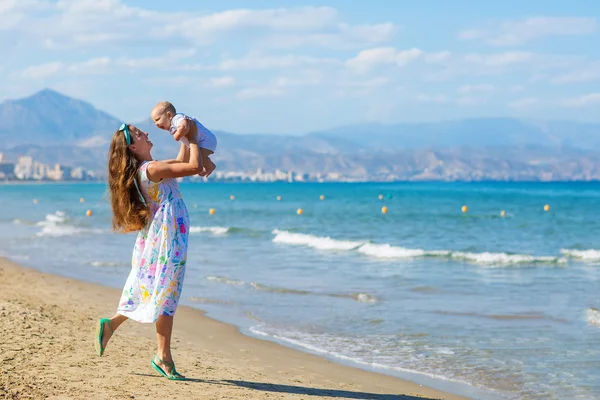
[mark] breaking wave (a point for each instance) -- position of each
(591, 256)
(321, 243)
(57, 225)
(388, 251)
(215, 230)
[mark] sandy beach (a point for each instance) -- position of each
(47, 352)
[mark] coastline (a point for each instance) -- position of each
(47, 349)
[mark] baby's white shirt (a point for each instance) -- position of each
(206, 139)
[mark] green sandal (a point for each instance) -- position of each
(174, 376)
(100, 333)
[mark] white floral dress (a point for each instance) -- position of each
(159, 257)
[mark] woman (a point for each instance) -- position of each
(145, 198)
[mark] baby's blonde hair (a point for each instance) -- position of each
(163, 107)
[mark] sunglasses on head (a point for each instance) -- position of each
(125, 129)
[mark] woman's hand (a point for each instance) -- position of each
(189, 164)
(192, 135)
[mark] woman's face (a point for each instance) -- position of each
(140, 145)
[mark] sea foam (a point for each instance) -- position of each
(215, 230)
(388, 251)
(57, 225)
(593, 316)
(590, 256)
(321, 243)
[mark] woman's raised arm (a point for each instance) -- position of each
(188, 162)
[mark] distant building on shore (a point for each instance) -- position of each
(28, 169)
(7, 169)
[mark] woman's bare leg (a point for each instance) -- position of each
(164, 330)
(115, 322)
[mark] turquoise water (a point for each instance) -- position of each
(495, 307)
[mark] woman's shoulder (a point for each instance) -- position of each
(143, 170)
(143, 166)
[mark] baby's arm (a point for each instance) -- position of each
(182, 129)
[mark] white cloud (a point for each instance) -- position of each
(514, 33)
(272, 54)
(466, 89)
(304, 79)
(367, 59)
(223, 81)
(258, 62)
(444, 99)
(282, 19)
(68, 24)
(94, 66)
(344, 37)
(501, 63)
(500, 59)
(586, 74)
(371, 58)
(172, 81)
(281, 28)
(306, 70)
(523, 103)
(425, 98)
(308, 79)
(170, 60)
(405, 57)
(381, 81)
(438, 57)
(472, 34)
(193, 82)
(469, 101)
(13, 13)
(259, 93)
(583, 101)
(102, 65)
(43, 70)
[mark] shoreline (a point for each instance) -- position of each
(47, 349)
(250, 182)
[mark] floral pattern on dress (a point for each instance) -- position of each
(159, 256)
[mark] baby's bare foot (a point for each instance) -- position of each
(209, 167)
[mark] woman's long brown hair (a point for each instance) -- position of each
(130, 212)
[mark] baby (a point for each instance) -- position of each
(165, 117)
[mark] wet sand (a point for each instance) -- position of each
(47, 331)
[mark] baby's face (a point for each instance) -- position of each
(161, 120)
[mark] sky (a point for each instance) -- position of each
(292, 67)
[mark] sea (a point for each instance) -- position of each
(499, 302)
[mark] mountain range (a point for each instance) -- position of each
(54, 128)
